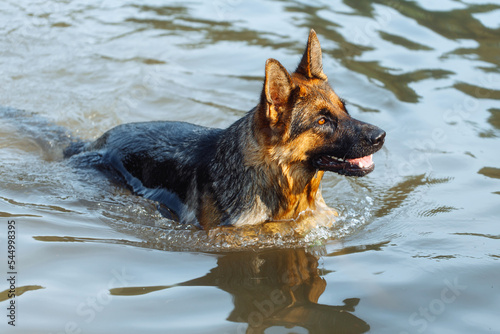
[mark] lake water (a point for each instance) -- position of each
(416, 246)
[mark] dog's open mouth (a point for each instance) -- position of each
(349, 167)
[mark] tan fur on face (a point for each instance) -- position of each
(282, 160)
(285, 158)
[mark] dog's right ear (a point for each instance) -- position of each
(278, 86)
(311, 65)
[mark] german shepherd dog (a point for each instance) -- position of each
(266, 167)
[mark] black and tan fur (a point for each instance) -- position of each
(267, 166)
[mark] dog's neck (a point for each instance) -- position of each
(281, 189)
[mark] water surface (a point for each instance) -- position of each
(415, 248)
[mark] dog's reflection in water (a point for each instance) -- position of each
(274, 288)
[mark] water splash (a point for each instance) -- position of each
(354, 216)
(141, 219)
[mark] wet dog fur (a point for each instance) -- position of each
(267, 166)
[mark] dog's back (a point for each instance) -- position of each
(158, 160)
(160, 154)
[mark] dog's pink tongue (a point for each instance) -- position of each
(362, 162)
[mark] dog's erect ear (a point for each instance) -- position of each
(311, 64)
(278, 86)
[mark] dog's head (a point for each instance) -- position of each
(302, 121)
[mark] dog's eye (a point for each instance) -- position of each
(322, 121)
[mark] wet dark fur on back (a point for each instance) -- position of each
(267, 166)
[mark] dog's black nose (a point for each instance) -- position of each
(377, 137)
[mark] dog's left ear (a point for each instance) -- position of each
(311, 65)
(278, 86)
